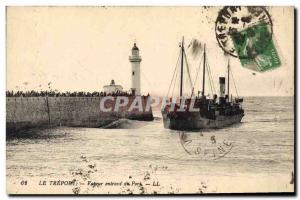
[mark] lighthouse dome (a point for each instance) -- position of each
(135, 47)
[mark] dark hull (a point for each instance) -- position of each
(195, 122)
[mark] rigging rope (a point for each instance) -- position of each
(211, 79)
(175, 70)
(197, 73)
(175, 81)
(188, 71)
(234, 83)
(211, 83)
(209, 73)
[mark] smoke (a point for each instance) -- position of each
(195, 46)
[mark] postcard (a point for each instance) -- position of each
(150, 100)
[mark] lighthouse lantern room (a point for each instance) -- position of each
(135, 60)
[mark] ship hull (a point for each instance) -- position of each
(195, 122)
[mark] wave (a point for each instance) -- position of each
(269, 120)
(157, 118)
(37, 133)
(124, 124)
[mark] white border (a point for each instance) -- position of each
(5, 3)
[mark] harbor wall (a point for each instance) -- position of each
(30, 112)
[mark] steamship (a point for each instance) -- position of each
(198, 111)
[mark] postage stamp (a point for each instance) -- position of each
(256, 49)
(246, 33)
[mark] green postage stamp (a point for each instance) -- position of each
(256, 49)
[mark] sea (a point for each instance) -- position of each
(136, 157)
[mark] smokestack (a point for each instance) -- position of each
(222, 86)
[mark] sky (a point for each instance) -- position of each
(83, 48)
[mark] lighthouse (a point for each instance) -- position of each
(135, 60)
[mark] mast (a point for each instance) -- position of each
(181, 73)
(228, 68)
(203, 83)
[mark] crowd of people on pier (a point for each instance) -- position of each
(51, 93)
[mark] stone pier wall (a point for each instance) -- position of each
(30, 112)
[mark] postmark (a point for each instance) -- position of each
(233, 19)
(206, 145)
(246, 33)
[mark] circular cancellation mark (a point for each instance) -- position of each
(243, 31)
(207, 145)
